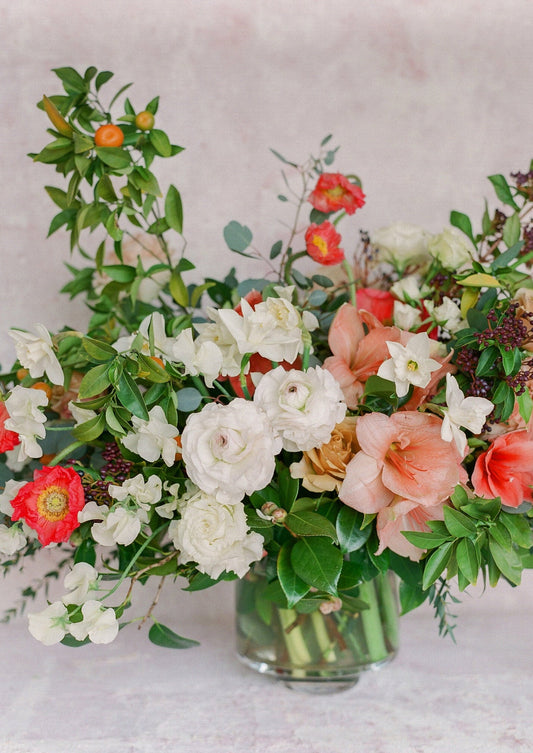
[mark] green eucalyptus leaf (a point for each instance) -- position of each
(238, 237)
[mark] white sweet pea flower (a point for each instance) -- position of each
(153, 439)
(303, 406)
(80, 415)
(12, 461)
(447, 315)
(216, 332)
(10, 491)
(229, 450)
(99, 624)
(451, 248)
(27, 420)
(408, 288)
(214, 536)
(401, 244)
(409, 364)
(468, 412)
(36, 353)
(162, 345)
(118, 526)
(80, 581)
(200, 357)
(11, 539)
(405, 316)
(145, 493)
(168, 509)
(51, 625)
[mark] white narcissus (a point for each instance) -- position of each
(153, 439)
(99, 624)
(303, 406)
(214, 536)
(409, 364)
(36, 353)
(50, 625)
(468, 412)
(27, 420)
(229, 450)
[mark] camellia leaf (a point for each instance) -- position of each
(167, 638)
(307, 523)
(318, 562)
(351, 536)
(293, 586)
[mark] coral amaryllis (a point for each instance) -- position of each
(505, 470)
(334, 191)
(50, 503)
(322, 243)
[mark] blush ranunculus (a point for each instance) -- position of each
(50, 503)
(334, 191)
(8, 439)
(402, 455)
(322, 244)
(377, 302)
(505, 470)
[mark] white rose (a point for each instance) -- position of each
(229, 450)
(215, 536)
(451, 248)
(407, 288)
(447, 315)
(402, 244)
(36, 353)
(303, 406)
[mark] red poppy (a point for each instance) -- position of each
(322, 243)
(333, 192)
(8, 439)
(50, 503)
(377, 302)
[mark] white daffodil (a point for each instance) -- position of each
(36, 353)
(80, 581)
(154, 438)
(51, 625)
(409, 364)
(144, 493)
(27, 420)
(99, 624)
(467, 412)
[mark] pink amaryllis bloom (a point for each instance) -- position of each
(334, 191)
(357, 354)
(404, 515)
(505, 470)
(402, 455)
(380, 303)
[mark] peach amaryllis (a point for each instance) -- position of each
(357, 354)
(8, 439)
(505, 470)
(404, 515)
(402, 455)
(50, 503)
(333, 192)
(322, 244)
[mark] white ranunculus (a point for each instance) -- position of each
(11, 539)
(405, 316)
(51, 625)
(99, 624)
(303, 406)
(145, 493)
(229, 450)
(215, 536)
(200, 357)
(153, 439)
(409, 364)
(36, 353)
(27, 420)
(401, 244)
(80, 581)
(468, 412)
(451, 248)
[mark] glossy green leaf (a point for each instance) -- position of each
(94, 382)
(113, 156)
(130, 396)
(519, 529)
(293, 586)
(306, 523)
(508, 562)
(178, 289)
(167, 638)
(503, 191)
(318, 562)
(462, 221)
(349, 532)
(90, 430)
(457, 523)
(160, 142)
(468, 559)
(174, 209)
(436, 564)
(98, 350)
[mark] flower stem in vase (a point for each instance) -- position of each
(371, 621)
(297, 649)
(324, 640)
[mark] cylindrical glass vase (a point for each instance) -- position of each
(312, 651)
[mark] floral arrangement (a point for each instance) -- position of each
(346, 418)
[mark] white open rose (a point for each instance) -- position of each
(215, 536)
(303, 406)
(229, 450)
(452, 248)
(402, 244)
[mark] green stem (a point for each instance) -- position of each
(390, 607)
(134, 559)
(66, 452)
(371, 622)
(325, 644)
(351, 282)
(297, 648)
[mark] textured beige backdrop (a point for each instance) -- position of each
(426, 98)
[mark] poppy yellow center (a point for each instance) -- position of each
(336, 193)
(52, 503)
(321, 244)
